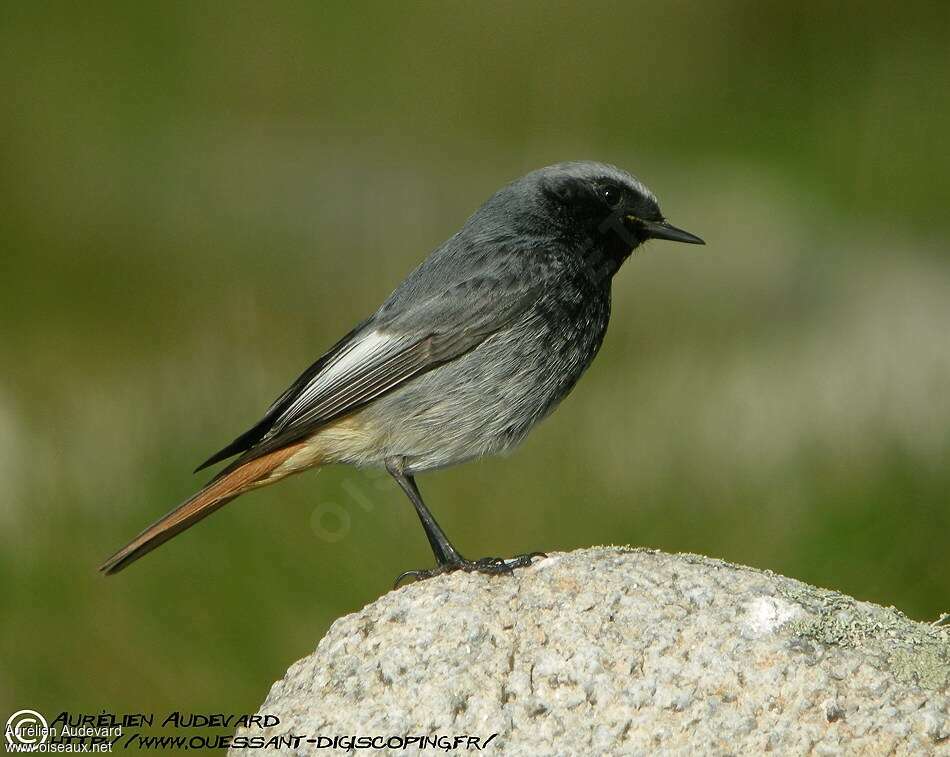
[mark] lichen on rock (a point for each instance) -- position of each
(614, 650)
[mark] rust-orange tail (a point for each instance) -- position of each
(219, 492)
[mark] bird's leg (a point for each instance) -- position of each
(445, 553)
(447, 556)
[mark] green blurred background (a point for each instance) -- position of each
(198, 199)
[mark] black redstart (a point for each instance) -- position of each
(477, 345)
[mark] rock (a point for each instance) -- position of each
(622, 651)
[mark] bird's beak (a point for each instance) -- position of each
(664, 230)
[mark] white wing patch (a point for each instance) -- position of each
(353, 367)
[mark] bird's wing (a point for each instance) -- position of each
(254, 435)
(388, 350)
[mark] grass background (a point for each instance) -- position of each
(198, 199)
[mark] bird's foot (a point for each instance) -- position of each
(492, 566)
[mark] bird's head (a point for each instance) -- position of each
(599, 210)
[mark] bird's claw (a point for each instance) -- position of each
(492, 566)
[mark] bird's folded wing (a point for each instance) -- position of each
(390, 349)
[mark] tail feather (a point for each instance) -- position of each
(222, 489)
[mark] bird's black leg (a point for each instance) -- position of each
(447, 556)
(445, 553)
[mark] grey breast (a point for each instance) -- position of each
(487, 400)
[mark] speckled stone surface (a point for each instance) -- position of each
(623, 651)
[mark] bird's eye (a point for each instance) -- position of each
(612, 195)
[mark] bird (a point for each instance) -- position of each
(477, 345)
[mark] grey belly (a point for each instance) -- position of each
(483, 402)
